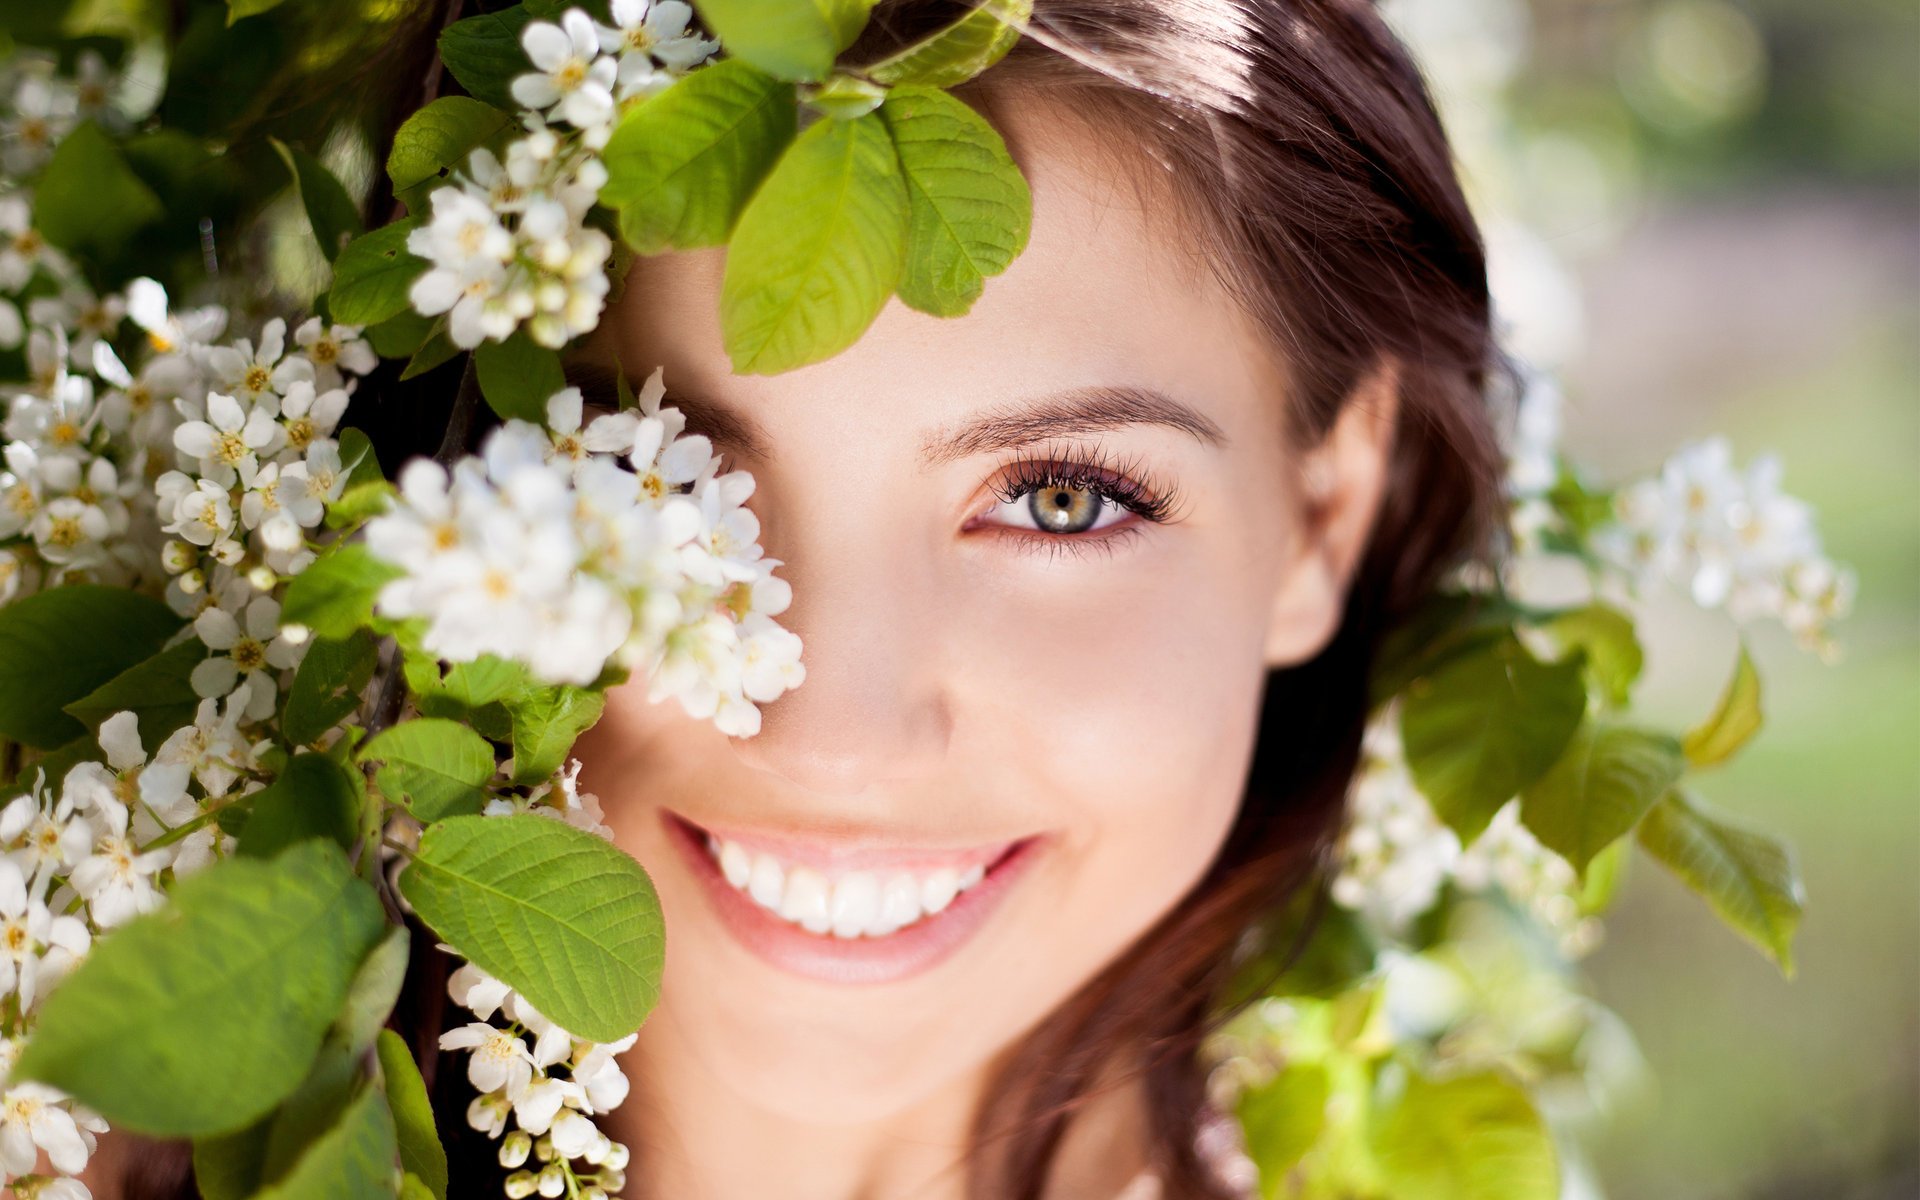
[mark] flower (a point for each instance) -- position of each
(45, 838)
(35, 1117)
(573, 79)
(117, 879)
(228, 442)
(649, 36)
(29, 932)
(500, 1061)
(470, 251)
(332, 349)
(258, 379)
(248, 651)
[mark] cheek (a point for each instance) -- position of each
(1126, 691)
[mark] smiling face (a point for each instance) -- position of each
(1014, 672)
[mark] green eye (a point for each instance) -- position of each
(1065, 509)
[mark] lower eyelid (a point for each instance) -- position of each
(1034, 541)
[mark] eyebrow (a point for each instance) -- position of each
(1007, 427)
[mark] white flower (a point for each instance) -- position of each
(22, 249)
(117, 879)
(204, 515)
(474, 989)
(333, 350)
(43, 111)
(647, 34)
(258, 379)
(307, 417)
(488, 1113)
(45, 839)
(306, 488)
(188, 333)
(572, 78)
(212, 748)
(227, 442)
(35, 1117)
(607, 433)
(29, 932)
(248, 652)
(470, 251)
(500, 1061)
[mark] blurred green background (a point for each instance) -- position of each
(1727, 196)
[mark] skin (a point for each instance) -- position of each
(965, 685)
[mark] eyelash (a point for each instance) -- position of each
(1125, 483)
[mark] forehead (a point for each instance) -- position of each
(1111, 289)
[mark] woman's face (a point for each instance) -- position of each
(998, 655)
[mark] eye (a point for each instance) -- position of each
(1062, 508)
(1062, 501)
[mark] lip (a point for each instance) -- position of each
(863, 960)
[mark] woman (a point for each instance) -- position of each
(1090, 583)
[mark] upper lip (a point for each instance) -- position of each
(837, 853)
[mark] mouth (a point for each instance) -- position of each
(848, 914)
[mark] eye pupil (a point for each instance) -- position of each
(1065, 509)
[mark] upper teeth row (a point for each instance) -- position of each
(859, 902)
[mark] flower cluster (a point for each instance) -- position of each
(84, 857)
(570, 548)
(1729, 538)
(1396, 855)
(509, 244)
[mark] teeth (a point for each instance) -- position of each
(859, 903)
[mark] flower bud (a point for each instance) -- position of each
(177, 556)
(520, 1185)
(552, 1181)
(193, 582)
(516, 1147)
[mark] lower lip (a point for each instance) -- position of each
(900, 955)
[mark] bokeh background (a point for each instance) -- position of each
(1705, 217)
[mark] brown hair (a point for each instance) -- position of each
(1300, 134)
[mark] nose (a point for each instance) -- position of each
(873, 708)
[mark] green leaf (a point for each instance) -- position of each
(683, 163)
(1748, 878)
(412, 1189)
(817, 250)
(792, 39)
(518, 376)
(229, 1166)
(437, 349)
(198, 1018)
(1444, 627)
(436, 767)
(330, 210)
(958, 52)
(312, 798)
(327, 686)
(334, 596)
(1486, 724)
(59, 645)
(315, 1107)
(354, 1158)
(440, 136)
(546, 723)
(372, 274)
(565, 918)
(1472, 1137)
(1734, 721)
(971, 210)
(1614, 657)
(87, 200)
(484, 54)
(400, 335)
(1283, 1120)
(238, 9)
(1599, 789)
(420, 1150)
(359, 502)
(158, 691)
(374, 991)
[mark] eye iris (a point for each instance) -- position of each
(1064, 510)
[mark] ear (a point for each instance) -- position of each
(1340, 486)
